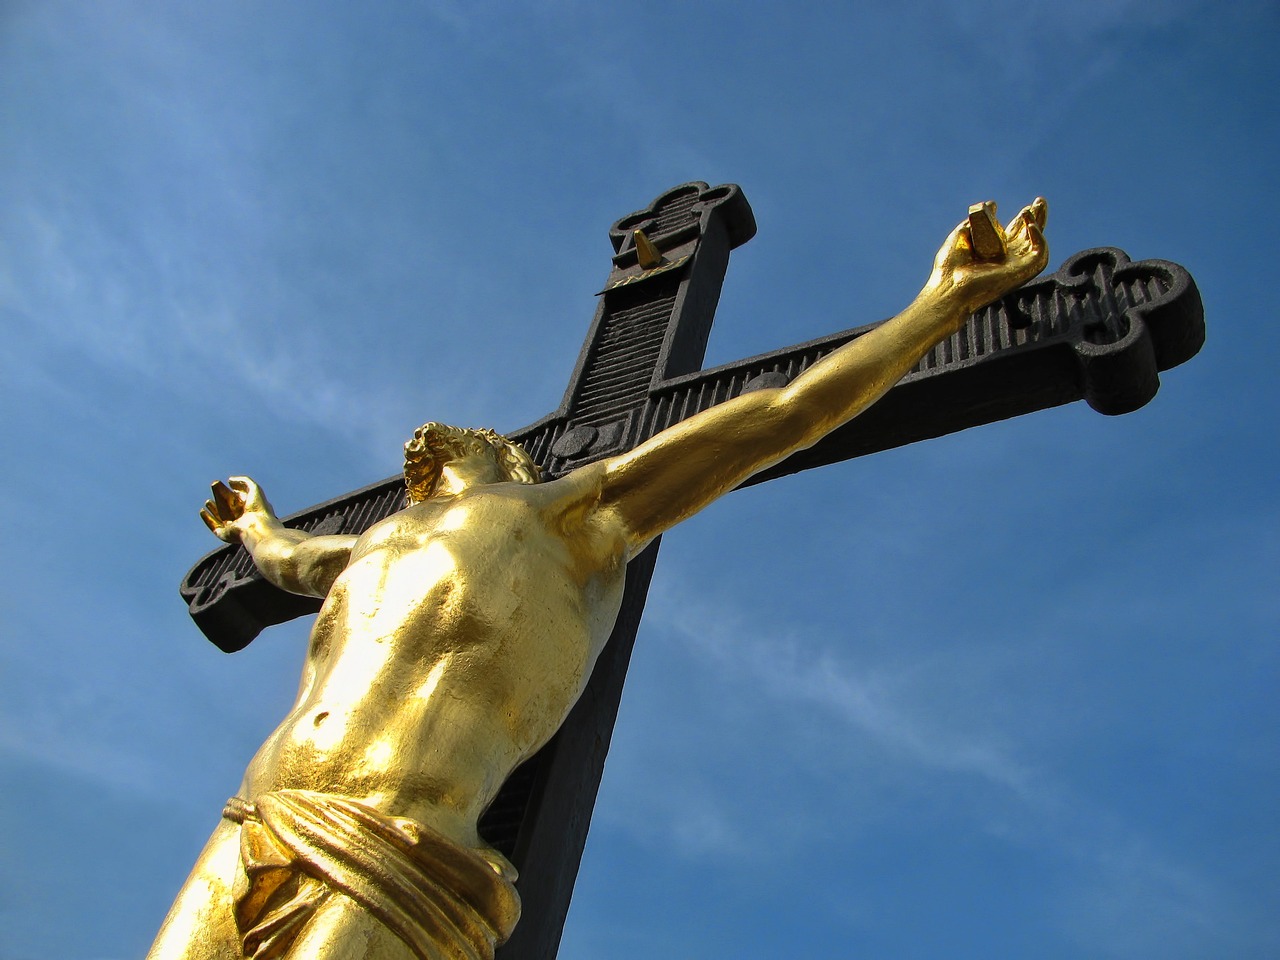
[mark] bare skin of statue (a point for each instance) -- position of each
(456, 635)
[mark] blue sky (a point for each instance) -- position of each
(1009, 693)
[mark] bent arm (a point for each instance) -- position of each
(293, 560)
(298, 562)
(681, 470)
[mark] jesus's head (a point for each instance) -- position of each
(435, 444)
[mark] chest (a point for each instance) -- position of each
(501, 533)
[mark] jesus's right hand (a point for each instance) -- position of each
(233, 509)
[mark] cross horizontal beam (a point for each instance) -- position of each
(1100, 328)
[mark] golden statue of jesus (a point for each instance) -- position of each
(456, 635)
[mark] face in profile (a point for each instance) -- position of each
(436, 444)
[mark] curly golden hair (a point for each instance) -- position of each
(435, 444)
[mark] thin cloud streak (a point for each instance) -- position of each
(1118, 895)
(806, 673)
(180, 340)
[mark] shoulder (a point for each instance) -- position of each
(578, 504)
(578, 490)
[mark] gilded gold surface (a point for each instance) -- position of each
(984, 231)
(647, 255)
(456, 634)
(663, 266)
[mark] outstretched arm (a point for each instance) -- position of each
(681, 470)
(291, 559)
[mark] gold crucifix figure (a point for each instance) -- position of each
(456, 635)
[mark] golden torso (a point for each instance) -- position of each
(449, 650)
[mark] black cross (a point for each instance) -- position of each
(1099, 329)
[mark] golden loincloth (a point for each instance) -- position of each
(298, 848)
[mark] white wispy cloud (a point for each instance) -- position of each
(97, 289)
(875, 701)
(1118, 893)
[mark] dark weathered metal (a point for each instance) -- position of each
(1099, 329)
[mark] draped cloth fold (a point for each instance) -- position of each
(299, 847)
